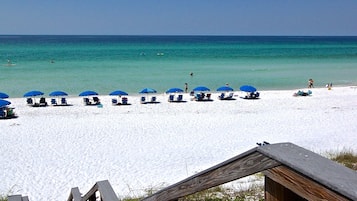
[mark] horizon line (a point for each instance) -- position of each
(257, 35)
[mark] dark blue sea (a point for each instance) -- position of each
(131, 63)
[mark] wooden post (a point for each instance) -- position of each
(277, 192)
(297, 183)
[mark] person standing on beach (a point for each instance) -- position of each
(186, 87)
(311, 83)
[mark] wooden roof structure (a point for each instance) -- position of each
(291, 173)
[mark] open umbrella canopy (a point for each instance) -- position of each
(33, 93)
(3, 95)
(4, 103)
(248, 88)
(225, 88)
(174, 90)
(58, 93)
(147, 90)
(88, 93)
(118, 93)
(201, 88)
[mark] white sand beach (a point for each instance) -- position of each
(47, 151)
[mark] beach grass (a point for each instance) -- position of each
(345, 157)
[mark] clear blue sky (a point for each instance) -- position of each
(179, 17)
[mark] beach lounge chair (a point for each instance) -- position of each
(7, 113)
(153, 99)
(208, 96)
(29, 101)
(2, 113)
(171, 98)
(86, 101)
(221, 97)
(114, 101)
(252, 95)
(227, 97)
(10, 112)
(180, 98)
(198, 97)
(64, 101)
(96, 100)
(124, 101)
(230, 96)
(143, 100)
(53, 101)
(43, 102)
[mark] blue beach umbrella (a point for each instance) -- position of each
(225, 88)
(174, 90)
(4, 103)
(88, 93)
(201, 88)
(3, 95)
(248, 88)
(58, 93)
(118, 93)
(147, 90)
(33, 93)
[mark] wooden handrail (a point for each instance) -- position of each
(75, 195)
(285, 163)
(18, 198)
(103, 187)
(238, 167)
(290, 172)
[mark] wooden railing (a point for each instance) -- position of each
(238, 167)
(289, 168)
(102, 190)
(18, 198)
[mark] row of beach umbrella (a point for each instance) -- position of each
(246, 88)
(3, 103)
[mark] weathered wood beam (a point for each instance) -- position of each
(25, 198)
(233, 169)
(75, 195)
(315, 167)
(301, 185)
(277, 192)
(105, 189)
(15, 198)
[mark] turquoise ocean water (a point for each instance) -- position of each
(131, 63)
